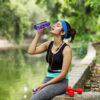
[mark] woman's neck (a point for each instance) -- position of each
(57, 41)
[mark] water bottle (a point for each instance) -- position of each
(42, 25)
(34, 90)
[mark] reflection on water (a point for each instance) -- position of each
(19, 73)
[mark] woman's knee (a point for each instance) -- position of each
(41, 95)
(33, 98)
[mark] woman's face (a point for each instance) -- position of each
(56, 29)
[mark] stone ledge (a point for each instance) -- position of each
(84, 96)
(91, 53)
(79, 74)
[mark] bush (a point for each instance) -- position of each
(86, 37)
(82, 50)
(98, 38)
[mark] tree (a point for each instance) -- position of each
(13, 20)
(81, 14)
(17, 18)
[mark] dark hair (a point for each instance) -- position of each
(71, 32)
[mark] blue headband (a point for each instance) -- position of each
(64, 25)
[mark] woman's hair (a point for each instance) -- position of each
(71, 32)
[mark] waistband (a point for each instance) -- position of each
(49, 74)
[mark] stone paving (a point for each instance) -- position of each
(5, 44)
(81, 66)
(84, 96)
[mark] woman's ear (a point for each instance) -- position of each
(62, 33)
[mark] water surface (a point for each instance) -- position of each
(19, 73)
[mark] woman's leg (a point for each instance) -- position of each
(51, 90)
(46, 79)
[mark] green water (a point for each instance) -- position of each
(19, 73)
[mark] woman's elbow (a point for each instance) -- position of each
(29, 52)
(63, 76)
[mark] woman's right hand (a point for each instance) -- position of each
(40, 32)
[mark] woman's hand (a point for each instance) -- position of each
(40, 87)
(40, 32)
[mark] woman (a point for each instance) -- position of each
(59, 56)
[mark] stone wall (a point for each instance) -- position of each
(84, 96)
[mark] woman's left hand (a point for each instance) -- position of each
(40, 87)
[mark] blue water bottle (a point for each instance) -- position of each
(42, 25)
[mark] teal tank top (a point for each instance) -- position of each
(49, 74)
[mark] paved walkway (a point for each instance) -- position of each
(5, 43)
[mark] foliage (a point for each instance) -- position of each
(17, 18)
(82, 50)
(86, 37)
(13, 20)
(81, 14)
(98, 38)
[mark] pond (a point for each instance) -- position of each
(20, 73)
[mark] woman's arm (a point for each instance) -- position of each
(40, 49)
(67, 57)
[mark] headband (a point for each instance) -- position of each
(64, 25)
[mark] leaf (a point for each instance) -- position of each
(65, 2)
(87, 2)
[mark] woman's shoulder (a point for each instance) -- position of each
(67, 49)
(49, 42)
